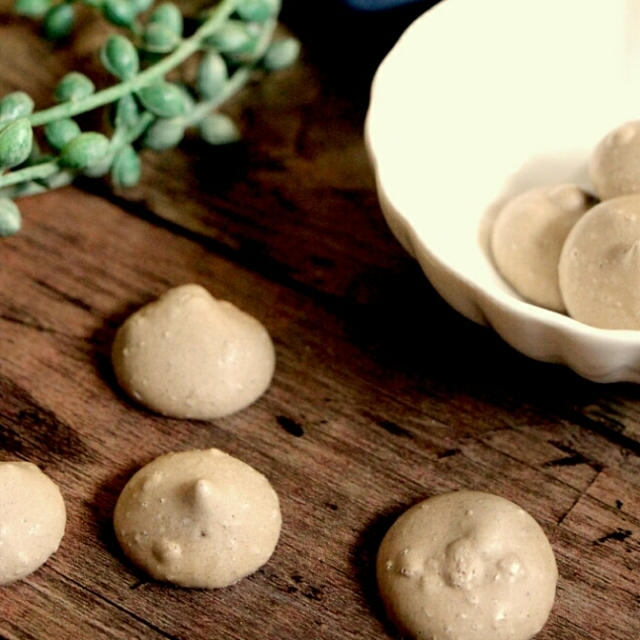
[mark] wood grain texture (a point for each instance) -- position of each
(382, 394)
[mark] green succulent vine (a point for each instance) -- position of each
(232, 39)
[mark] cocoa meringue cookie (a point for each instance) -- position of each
(614, 165)
(198, 518)
(33, 519)
(599, 266)
(527, 237)
(189, 355)
(467, 564)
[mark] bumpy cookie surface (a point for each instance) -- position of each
(465, 565)
(188, 355)
(600, 266)
(32, 522)
(614, 165)
(199, 518)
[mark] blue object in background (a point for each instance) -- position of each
(376, 5)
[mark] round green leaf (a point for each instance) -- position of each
(164, 99)
(233, 37)
(164, 133)
(219, 128)
(119, 12)
(126, 168)
(100, 167)
(10, 218)
(15, 105)
(141, 5)
(168, 15)
(187, 98)
(212, 75)
(32, 8)
(258, 10)
(120, 57)
(60, 132)
(84, 150)
(281, 54)
(58, 21)
(16, 140)
(127, 112)
(74, 86)
(158, 38)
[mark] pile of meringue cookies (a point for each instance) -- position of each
(457, 565)
(562, 248)
(197, 518)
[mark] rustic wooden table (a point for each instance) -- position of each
(382, 394)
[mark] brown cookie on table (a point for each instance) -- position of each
(198, 518)
(189, 355)
(32, 519)
(467, 564)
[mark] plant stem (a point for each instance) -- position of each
(187, 47)
(127, 136)
(236, 81)
(48, 169)
(34, 172)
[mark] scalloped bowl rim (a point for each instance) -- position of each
(396, 148)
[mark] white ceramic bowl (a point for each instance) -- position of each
(479, 100)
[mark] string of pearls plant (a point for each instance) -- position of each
(232, 39)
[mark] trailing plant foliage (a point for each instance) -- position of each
(231, 40)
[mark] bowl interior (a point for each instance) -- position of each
(480, 100)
